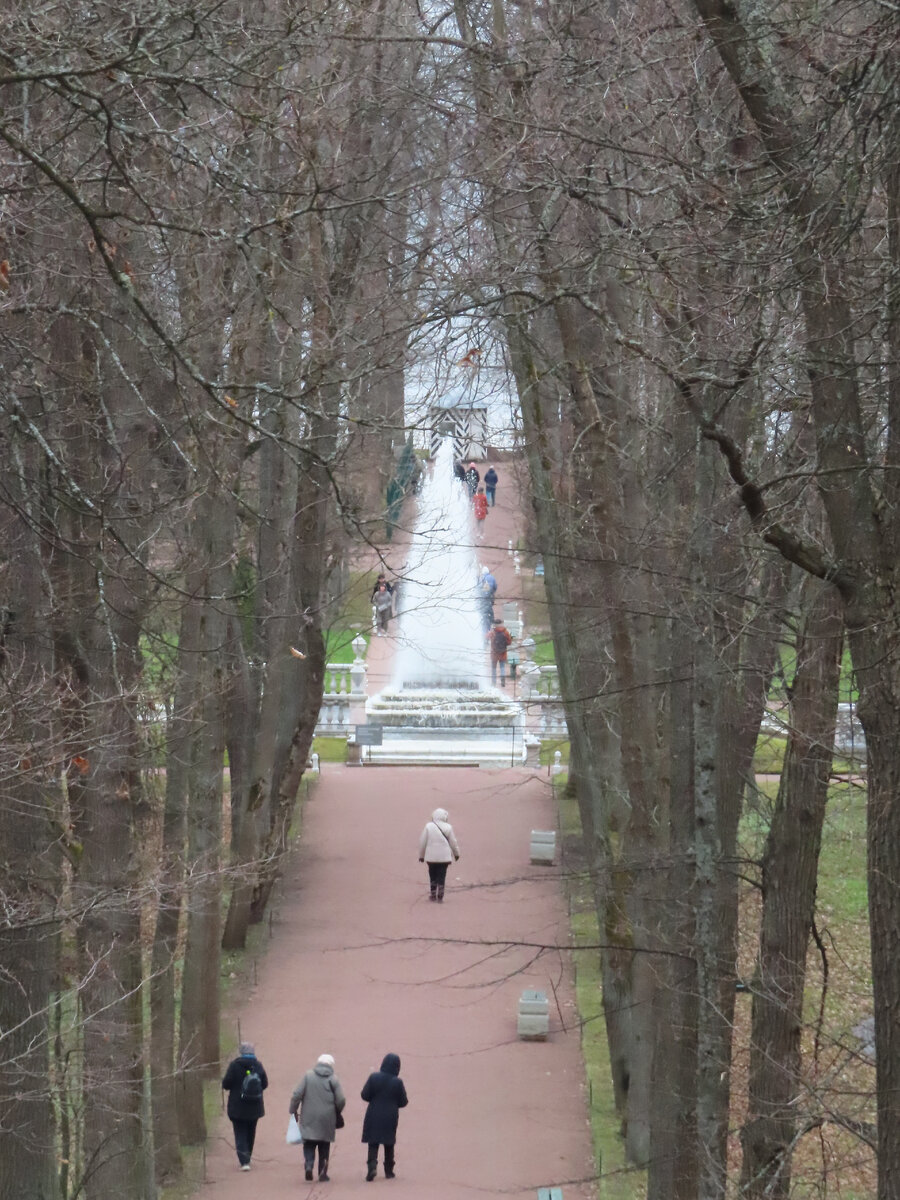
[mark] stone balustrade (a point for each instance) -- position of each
(345, 689)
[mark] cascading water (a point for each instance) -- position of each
(440, 638)
(439, 708)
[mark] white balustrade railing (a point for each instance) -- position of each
(344, 689)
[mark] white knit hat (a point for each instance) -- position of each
(326, 1059)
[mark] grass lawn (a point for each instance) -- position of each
(833, 1006)
(616, 1180)
(330, 749)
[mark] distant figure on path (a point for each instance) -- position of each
(459, 470)
(386, 1095)
(486, 605)
(481, 511)
(320, 1100)
(382, 579)
(384, 607)
(438, 848)
(472, 478)
(245, 1081)
(491, 479)
(499, 638)
(488, 582)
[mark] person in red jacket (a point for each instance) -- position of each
(481, 507)
(499, 639)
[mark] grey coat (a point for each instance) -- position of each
(320, 1097)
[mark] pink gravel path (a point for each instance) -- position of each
(361, 963)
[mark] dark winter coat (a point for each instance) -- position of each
(386, 1095)
(491, 479)
(238, 1108)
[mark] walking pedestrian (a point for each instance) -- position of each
(386, 1095)
(491, 479)
(320, 1100)
(438, 848)
(472, 478)
(245, 1081)
(382, 579)
(499, 638)
(486, 605)
(481, 511)
(384, 607)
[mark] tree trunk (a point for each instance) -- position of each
(789, 873)
(30, 836)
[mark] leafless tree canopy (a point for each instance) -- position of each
(227, 232)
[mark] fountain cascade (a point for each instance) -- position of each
(439, 707)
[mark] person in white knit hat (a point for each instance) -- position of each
(317, 1102)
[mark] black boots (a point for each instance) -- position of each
(440, 891)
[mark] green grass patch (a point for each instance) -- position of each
(339, 645)
(330, 749)
(549, 748)
(616, 1179)
(543, 653)
(842, 890)
(769, 756)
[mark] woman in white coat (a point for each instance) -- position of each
(438, 848)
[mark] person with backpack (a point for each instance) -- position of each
(499, 639)
(319, 1099)
(438, 847)
(245, 1081)
(385, 1095)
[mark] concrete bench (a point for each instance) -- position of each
(534, 1016)
(543, 846)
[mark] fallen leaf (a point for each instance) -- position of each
(297, 653)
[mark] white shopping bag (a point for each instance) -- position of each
(293, 1136)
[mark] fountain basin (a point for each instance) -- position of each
(461, 727)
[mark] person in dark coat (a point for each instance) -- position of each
(244, 1108)
(473, 478)
(386, 1095)
(491, 479)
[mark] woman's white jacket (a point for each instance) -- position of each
(438, 842)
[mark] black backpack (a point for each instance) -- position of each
(500, 641)
(251, 1086)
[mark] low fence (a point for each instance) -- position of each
(345, 689)
(537, 689)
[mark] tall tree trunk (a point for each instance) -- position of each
(789, 874)
(30, 832)
(200, 990)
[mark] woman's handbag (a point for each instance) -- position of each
(293, 1137)
(339, 1120)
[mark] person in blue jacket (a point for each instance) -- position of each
(245, 1081)
(386, 1095)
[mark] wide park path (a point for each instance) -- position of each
(361, 963)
